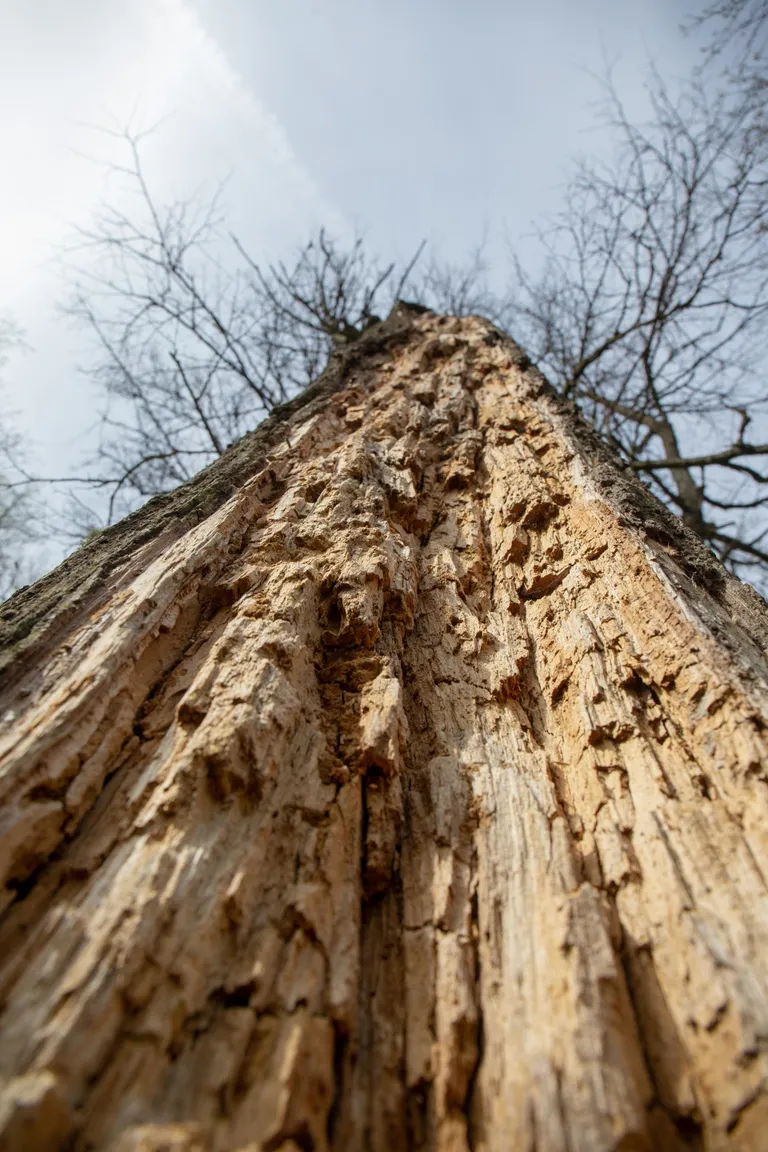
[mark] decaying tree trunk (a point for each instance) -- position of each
(397, 784)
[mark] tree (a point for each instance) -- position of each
(192, 350)
(651, 310)
(737, 29)
(649, 315)
(19, 515)
(398, 782)
(16, 532)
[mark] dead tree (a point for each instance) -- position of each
(192, 348)
(17, 515)
(652, 307)
(21, 517)
(650, 314)
(397, 783)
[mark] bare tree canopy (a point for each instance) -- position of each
(194, 352)
(737, 25)
(736, 50)
(647, 311)
(651, 309)
(19, 516)
(15, 528)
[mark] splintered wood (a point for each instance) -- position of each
(415, 799)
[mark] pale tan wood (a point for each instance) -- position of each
(414, 798)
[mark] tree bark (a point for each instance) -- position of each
(400, 783)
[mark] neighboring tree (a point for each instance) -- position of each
(652, 308)
(382, 788)
(16, 518)
(192, 354)
(462, 289)
(19, 515)
(738, 37)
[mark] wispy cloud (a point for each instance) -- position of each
(104, 62)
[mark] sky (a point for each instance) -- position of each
(405, 119)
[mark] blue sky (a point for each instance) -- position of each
(407, 119)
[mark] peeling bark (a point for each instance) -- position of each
(410, 795)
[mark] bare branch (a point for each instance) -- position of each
(651, 308)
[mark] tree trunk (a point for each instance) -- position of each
(399, 783)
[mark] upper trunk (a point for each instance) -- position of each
(398, 783)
